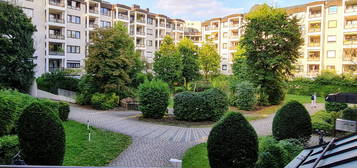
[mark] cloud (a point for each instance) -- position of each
(196, 9)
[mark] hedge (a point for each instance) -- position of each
(324, 121)
(333, 106)
(209, 105)
(9, 147)
(51, 82)
(350, 114)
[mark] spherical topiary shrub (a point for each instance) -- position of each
(217, 103)
(154, 98)
(244, 97)
(7, 112)
(333, 106)
(349, 114)
(41, 136)
(292, 121)
(190, 106)
(232, 142)
(63, 110)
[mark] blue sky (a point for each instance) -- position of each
(200, 10)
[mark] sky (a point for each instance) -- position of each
(201, 10)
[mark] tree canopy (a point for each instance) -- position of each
(16, 48)
(209, 59)
(189, 54)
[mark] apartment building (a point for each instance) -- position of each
(193, 32)
(64, 29)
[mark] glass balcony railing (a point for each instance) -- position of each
(124, 17)
(93, 25)
(56, 36)
(314, 44)
(57, 3)
(313, 58)
(140, 33)
(314, 30)
(94, 11)
(56, 20)
(59, 52)
(350, 26)
(350, 42)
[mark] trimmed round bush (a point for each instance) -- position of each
(244, 96)
(9, 146)
(217, 102)
(292, 121)
(154, 98)
(232, 142)
(63, 110)
(333, 106)
(41, 135)
(104, 101)
(350, 114)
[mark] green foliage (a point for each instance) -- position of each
(240, 67)
(87, 87)
(271, 45)
(200, 86)
(324, 121)
(154, 98)
(63, 110)
(209, 59)
(189, 54)
(7, 112)
(168, 62)
(244, 97)
(16, 44)
(350, 114)
(277, 154)
(104, 101)
(232, 142)
(292, 121)
(209, 105)
(179, 89)
(333, 106)
(139, 79)
(41, 136)
(51, 82)
(9, 146)
(112, 62)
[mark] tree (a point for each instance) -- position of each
(232, 142)
(16, 48)
(240, 67)
(188, 52)
(112, 61)
(168, 62)
(209, 59)
(271, 42)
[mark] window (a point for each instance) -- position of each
(331, 53)
(105, 24)
(74, 19)
(105, 11)
(74, 5)
(332, 24)
(28, 12)
(331, 38)
(149, 42)
(224, 67)
(73, 49)
(73, 34)
(332, 10)
(149, 54)
(149, 31)
(73, 65)
(150, 21)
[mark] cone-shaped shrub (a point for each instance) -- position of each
(292, 121)
(41, 136)
(232, 143)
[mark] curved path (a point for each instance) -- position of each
(153, 145)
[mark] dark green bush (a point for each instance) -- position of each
(51, 82)
(154, 98)
(63, 110)
(208, 105)
(87, 88)
(333, 106)
(200, 86)
(324, 121)
(9, 146)
(179, 89)
(349, 114)
(232, 142)
(139, 79)
(292, 121)
(7, 112)
(104, 101)
(41, 136)
(244, 97)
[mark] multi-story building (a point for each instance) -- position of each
(64, 29)
(193, 32)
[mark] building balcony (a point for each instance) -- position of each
(234, 37)
(124, 17)
(313, 73)
(351, 26)
(162, 35)
(54, 69)
(141, 20)
(314, 30)
(140, 45)
(162, 25)
(94, 11)
(314, 45)
(73, 7)
(140, 33)
(56, 36)
(313, 58)
(234, 25)
(214, 28)
(60, 53)
(56, 20)
(349, 58)
(56, 3)
(350, 42)
(315, 15)
(350, 10)
(93, 25)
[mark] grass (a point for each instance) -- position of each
(196, 157)
(100, 151)
(302, 99)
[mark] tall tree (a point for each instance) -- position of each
(209, 59)
(189, 54)
(271, 41)
(16, 48)
(112, 60)
(168, 62)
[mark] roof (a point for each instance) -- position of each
(340, 153)
(342, 98)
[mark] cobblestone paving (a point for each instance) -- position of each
(153, 145)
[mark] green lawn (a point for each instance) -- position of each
(302, 99)
(103, 147)
(196, 157)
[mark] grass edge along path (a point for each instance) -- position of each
(100, 151)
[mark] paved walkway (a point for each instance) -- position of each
(153, 145)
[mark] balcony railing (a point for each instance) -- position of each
(56, 20)
(95, 11)
(313, 30)
(314, 44)
(140, 33)
(234, 37)
(162, 35)
(141, 20)
(179, 28)
(349, 58)
(214, 28)
(162, 25)
(92, 25)
(315, 15)
(55, 3)
(350, 42)
(54, 69)
(350, 26)
(234, 25)
(61, 53)
(313, 58)
(350, 10)
(124, 17)
(73, 7)
(313, 73)
(56, 36)
(140, 45)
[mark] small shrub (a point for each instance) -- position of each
(244, 97)
(41, 136)
(292, 121)
(51, 82)
(200, 86)
(232, 142)
(217, 102)
(350, 114)
(86, 88)
(154, 98)
(9, 146)
(333, 106)
(63, 110)
(104, 101)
